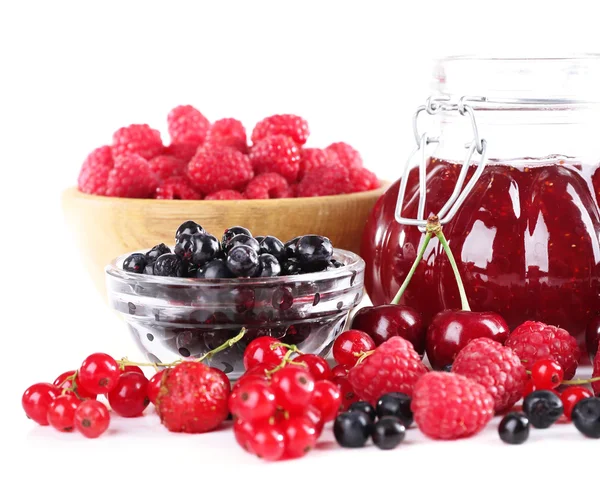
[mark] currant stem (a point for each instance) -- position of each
(286, 359)
(581, 381)
(404, 286)
(363, 356)
(226, 345)
(461, 288)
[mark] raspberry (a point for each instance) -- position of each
(276, 154)
(393, 366)
(225, 195)
(94, 171)
(183, 151)
(187, 125)
(131, 177)
(219, 168)
(346, 154)
(362, 179)
(268, 186)
(497, 368)
(447, 406)
(177, 187)
(138, 139)
(228, 133)
(534, 341)
(312, 158)
(289, 125)
(331, 180)
(193, 398)
(167, 166)
(596, 373)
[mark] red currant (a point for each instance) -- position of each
(254, 401)
(99, 373)
(91, 418)
(529, 387)
(243, 432)
(348, 395)
(63, 382)
(36, 400)
(129, 397)
(154, 386)
(263, 350)
(571, 396)
(250, 378)
(300, 436)
(132, 368)
(339, 371)
(546, 374)
(293, 387)
(316, 366)
(61, 412)
(327, 398)
(267, 441)
(349, 346)
(314, 415)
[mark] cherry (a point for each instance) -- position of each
(36, 400)
(263, 350)
(339, 371)
(63, 382)
(571, 396)
(99, 373)
(293, 387)
(267, 441)
(253, 401)
(316, 366)
(129, 397)
(61, 412)
(451, 330)
(592, 336)
(327, 398)
(546, 374)
(153, 387)
(389, 320)
(91, 418)
(243, 431)
(349, 346)
(300, 436)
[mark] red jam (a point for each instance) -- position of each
(526, 241)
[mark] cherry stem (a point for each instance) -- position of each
(404, 286)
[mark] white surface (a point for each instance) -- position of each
(73, 72)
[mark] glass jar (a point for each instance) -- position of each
(527, 236)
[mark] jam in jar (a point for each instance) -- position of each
(527, 236)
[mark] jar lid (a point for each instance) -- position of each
(520, 82)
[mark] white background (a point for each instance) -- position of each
(73, 72)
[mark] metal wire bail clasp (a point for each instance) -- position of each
(433, 106)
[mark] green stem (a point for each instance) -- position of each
(398, 296)
(581, 381)
(461, 288)
(225, 345)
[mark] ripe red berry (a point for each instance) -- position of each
(252, 401)
(347, 155)
(250, 377)
(138, 139)
(268, 186)
(347, 392)
(225, 195)
(327, 398)
(61, 412)
(187, 125)
(276, 154)
(289, 125)
(131, 177)
(312, 158)
(132, 368)
(129, 397)
(91, 418)
(596, 374)
(316, 366)
(331, 179)
(293, 387)
(94, 172)
(36, 400)
(99, 373)
(243, 432)
(177, 188)
(300, 436)
(228, 133)
(529, 387)
(63, 382)
(167, 166)
(571, 396)
(263, 350)
(267, 441)
(339, 371)
(219, 168)
(350, 345)
(546, 374)
(154, 386)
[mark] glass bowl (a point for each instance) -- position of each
(171, 318)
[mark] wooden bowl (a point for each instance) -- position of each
(106, 227)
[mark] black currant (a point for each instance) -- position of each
(586, 417)
(514, 428)
(168, 264)
(207, 247)
(542, 408)
(214, 269)
(388, 432)
(272, 246)
(189, 227)
(231, 233)
(397, 405)
(243, 261)
(290, 267)
(242, 239)
(313, 250)
(352, 429)
(268, 266)
(291, 246)
(156, 252)
(136, 262)
(365, 407)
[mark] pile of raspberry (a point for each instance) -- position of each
(214, 161)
